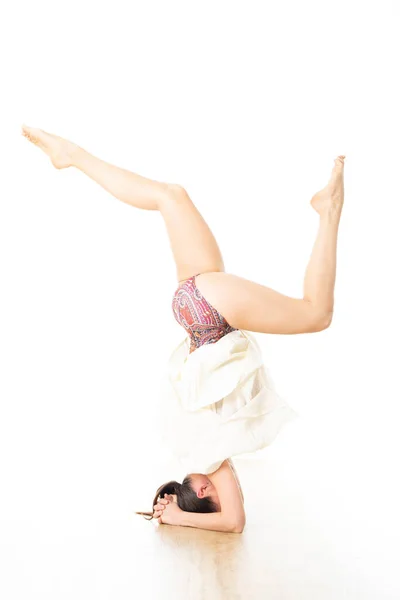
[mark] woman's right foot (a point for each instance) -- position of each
(59, 150)
(330, 199)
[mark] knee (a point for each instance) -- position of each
(172, 193)
(174, 190)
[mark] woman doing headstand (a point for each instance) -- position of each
(223, 401)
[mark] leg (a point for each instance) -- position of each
(193, 245)
(254, 307)
(244, 304)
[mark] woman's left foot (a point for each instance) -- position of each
(58, 149)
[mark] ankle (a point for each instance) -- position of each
(331, 216)
(76, 154)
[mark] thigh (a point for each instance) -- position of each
(192, 242)
(254, 307)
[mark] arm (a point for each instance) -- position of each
(212, 521)
(231, 518)
(167, 511)
(230, 496)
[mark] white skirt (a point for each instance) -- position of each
(219, 402)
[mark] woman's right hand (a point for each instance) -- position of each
(161, 504)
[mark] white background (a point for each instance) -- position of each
(246, 104)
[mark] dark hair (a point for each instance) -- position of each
(187, 499)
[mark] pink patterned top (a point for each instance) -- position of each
(203, 323)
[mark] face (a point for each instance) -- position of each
(204, 488)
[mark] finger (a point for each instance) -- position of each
(159, 520)
(164, 501)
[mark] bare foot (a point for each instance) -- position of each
(58, 149)
(330, 199)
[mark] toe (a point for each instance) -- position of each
(26, 130)
(339, 163)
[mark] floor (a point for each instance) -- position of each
(286, 552)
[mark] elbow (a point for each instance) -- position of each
(238, 527)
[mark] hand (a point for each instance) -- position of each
(167, 511)
(159, 507)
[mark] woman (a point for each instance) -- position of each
(223, 402)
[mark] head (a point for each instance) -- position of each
(196, 493)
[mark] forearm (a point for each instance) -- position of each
(122, 184)
(212, 521)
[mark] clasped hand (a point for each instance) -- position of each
(167, 511)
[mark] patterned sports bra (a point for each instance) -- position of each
(203, 323)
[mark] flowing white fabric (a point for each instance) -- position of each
(219, 402)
